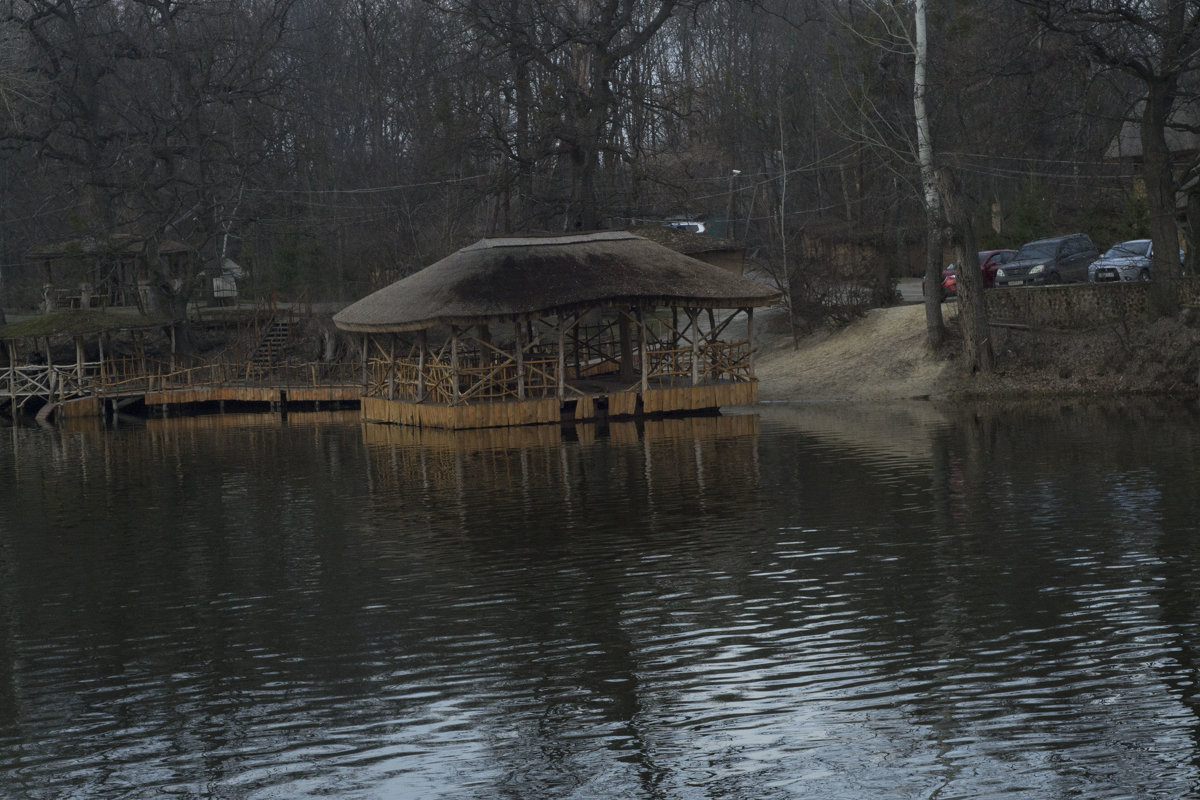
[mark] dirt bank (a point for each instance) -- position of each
(884, 356)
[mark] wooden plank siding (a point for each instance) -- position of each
(250, 394)
(542, 411)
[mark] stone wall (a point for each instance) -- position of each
(1079, 305)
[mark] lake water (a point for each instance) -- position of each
(807, 602)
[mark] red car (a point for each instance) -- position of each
(989, 262)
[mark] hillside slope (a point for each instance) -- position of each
(883, 356)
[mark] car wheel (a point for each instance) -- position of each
(1144, 275)
(1054, 278)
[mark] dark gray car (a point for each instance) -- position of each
(1060, 259)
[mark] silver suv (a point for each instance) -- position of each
(1061, 259)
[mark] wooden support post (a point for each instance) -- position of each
(421, 366)
(79, 360)
(454, 391)
(365, 383)
(643, 346)
(12, 375)
(392, 366)
(575, 344)
(520, 345)
(750, 338)
(103, 372)
(562, 358)
(626, 347)
(694, 316)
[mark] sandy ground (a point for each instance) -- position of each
(882, 356)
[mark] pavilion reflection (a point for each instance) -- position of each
(694, 452)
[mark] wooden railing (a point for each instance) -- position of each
(712, 362)
(478, 379)
(433, 381)
(119, 377)
(48, 381)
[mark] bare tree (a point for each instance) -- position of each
(1158, 45)
(568, 91)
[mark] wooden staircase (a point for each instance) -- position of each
(270, 346)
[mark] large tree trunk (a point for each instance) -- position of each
(1160, 196)
(972, 315)
(934, 325)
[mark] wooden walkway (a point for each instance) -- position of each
(96, 388)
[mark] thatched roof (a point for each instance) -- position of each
(497, 279)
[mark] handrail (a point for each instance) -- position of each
(126, 376)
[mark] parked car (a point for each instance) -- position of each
(689, 225)
(1125, 261)
(989, 262)
(1059, 259)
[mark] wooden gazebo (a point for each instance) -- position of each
(517, 331)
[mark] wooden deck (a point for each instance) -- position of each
(95, 389)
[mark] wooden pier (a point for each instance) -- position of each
(96, 388)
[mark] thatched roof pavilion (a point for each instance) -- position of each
(538, 329)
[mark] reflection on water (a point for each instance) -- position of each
(834, 602)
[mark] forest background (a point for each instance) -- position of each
(333, 146)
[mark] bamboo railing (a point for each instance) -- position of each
(434, 379)
(129, 376)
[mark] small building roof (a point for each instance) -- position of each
(686, 242)
(1182, 136)
(497, 279)
(121, 243)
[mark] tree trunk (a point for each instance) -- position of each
(935, 327)
(1160, 196)
(972, 314)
